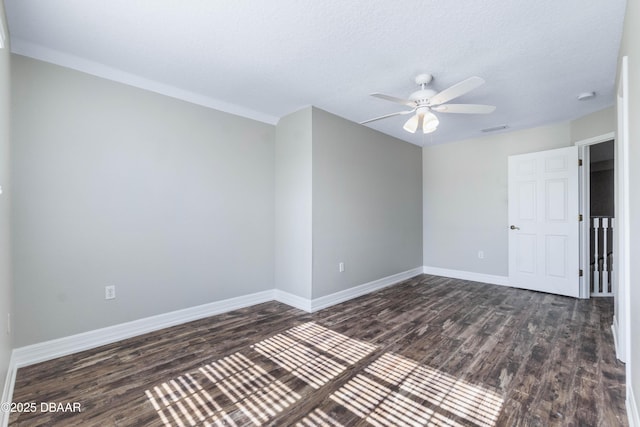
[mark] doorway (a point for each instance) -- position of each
(601, 218)
(597, 202)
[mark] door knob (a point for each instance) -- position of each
(513, 227)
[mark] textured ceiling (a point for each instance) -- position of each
(266, 59)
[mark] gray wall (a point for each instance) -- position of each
(594, 124)
(293, 204)
(5, 242)
(465, 197)
(344, 193)
(465, 192)
(366, 204)
(115, 185)
(631, 47)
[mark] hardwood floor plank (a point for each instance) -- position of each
(429, 350)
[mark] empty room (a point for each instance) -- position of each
(298, 213)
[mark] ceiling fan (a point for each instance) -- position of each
(425, 102)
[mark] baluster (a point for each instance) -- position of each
(605, 251)
(612, 224)
(596, 269)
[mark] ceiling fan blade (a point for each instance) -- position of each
(464, 108)
(456, 90)
(388, 115)
(401, 101)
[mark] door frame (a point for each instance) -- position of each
(585, 209)
(621, 320)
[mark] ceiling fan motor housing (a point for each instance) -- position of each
(422, 96)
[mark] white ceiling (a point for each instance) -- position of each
(266, 59)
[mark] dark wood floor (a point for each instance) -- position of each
(429, 351)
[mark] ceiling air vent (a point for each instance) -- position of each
(495, 128)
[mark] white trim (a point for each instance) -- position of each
(584, 195)
(633, 414)
(596, 139)
(25, 48)
(52, 349)
(7, 391)
(3, 35)
(614, 330)
(356, 291)
(622, 267)
(48, 350)
(293, 300)
(467, 275)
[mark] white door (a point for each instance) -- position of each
(543, 221)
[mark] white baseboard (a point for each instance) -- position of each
(633, 414)
(52, 349)
(48, 350)
(356, 291)
(293, 300)
(614, 331)
(7, 391)
(313, 305)
(467, 275)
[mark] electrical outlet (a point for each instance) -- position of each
(481, 254)
(341, 267)
(109, 292)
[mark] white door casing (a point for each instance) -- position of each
(621, 269)
(584, 185)
(543, 220)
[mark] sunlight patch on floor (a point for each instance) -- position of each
(371, 396)
(390, 391)
(317, 418)
(183, 402)
(313, 353)
(310, 352)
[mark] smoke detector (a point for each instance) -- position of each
(584, 96)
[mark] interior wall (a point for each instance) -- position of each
(465, 197)
(115, 185)
(293, 233)
(367, 211)
(5, 208)
(630, 47)
(594, 124)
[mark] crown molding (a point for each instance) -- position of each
(31, 50)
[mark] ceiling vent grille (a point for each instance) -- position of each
(495, 128)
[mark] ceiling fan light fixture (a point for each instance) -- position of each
(429, 123)
(424, 102)
(412, 124)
